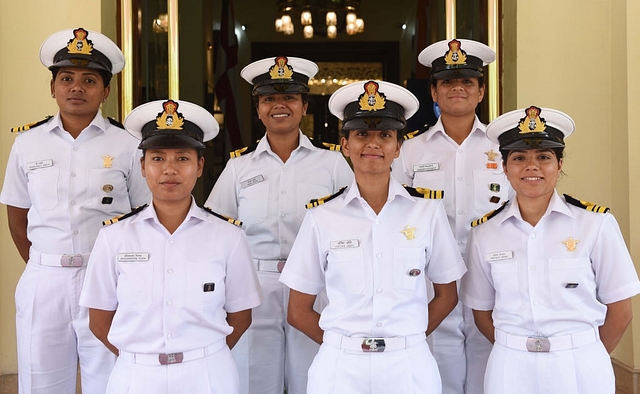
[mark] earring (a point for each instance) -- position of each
(53, 95)
(104, 99)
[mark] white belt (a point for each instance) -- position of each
(171, 358)
(59, 260)
(550, 344)
(269, 265)
(373, 344)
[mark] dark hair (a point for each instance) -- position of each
(199, 152)
(434, 82)
(106, 76)
(559, 152)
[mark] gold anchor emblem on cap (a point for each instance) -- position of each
(409, 232)
(571, 244)
(107, 161)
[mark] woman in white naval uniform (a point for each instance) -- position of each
(550, 277)
(171, 287)
(371, 245)
(266, 187)
(65, 175)
(455, 155)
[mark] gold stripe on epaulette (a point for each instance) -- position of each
(319, 201)
(238, 152)
(478, 222)
(410, 135)
(589, 206)
(334, 147)
(431, 194)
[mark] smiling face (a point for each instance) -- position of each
(533, 173)
(457, 97)
(171, 173)
(78, 91)
(281, 113)
(371, 151)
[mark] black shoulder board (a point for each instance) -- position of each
(126, 215)
(416, 133)
(326, 145)
(242, 151)
(30, 125)
(425, 193)
(589, 206)
(319, 201)
(225, 218)
(488, 216)
(116, 123)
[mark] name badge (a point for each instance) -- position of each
(129, 257)
(252, 181)
(347, 243)
(34, 165)
(426, 167)
(495, 256)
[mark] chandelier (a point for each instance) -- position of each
(319, 17)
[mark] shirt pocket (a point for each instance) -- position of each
(434, 180)
(571, 282)
(345, 270)
(506, 283)
(199, 275)
(135, 286)
(405, 260)
(253, 203)
(482, 182)
(43, 188)
(306, 192)
(107, 184)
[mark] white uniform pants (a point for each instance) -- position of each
(585, 370)
(407, 371)
(53, 334)
(213, 374)
(271, 354)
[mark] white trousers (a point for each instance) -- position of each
(53, 334)
(461, 352)
(407, 371)
(272, 355)
(213, 374)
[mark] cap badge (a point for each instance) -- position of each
(371, 99)
(532, 123)
(571, 244)
(170, 118)
(455, 55)
(409, 232)
(281, 69)
(107, 161)
(80, 43)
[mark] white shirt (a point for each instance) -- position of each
(551, 279)
(434, 160)
(269, 196)
(155, 281)
(366, 261)
(67, 183)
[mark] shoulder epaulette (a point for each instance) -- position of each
(416, 133)
(30, 125)
(589, 206)
(115, 123)
(225, 218)
(242, 151)
(425, 193)
(319, 201)
(489, 215)
(126, 215)
(326, 145)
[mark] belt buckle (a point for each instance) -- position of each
(373, 345)
(538, 344)
(280, 265)
(71, 260)
(170, 358)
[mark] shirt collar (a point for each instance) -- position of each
(263, 145)
(150, 213)
(395, 189)
(438, 128)
(98, 121)
(556, 204)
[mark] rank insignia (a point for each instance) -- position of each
(107, 188)
(492, 166)
(79, 43)
(107, 161)
(494, 199)
(494, 187)
(532, 123)
(281, 69)
(571, 244)
(208, 287)
(170, 118)
(372, 99)
(455, 55)
(409, 232)
(491, 155)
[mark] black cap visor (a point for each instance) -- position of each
(170, 139)
(516, 140)
(389, 118)
(96, 61)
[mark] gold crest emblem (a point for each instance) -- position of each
(532, 123)
(79, 43)
(371, 99)
(571, 244)
(107, 161)
(281, 69)
(491, 155)
(170, 118)
(409, 232)
(455, 55)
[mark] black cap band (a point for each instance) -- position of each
(515, 139)
(472, 68)
(265, 84)
(389, 118)
(190, 136)
(96, 60)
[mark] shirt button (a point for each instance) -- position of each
(283, 191)
(73, 174)
(75, 231)
(171, 241)
(284, 241)
(170, 270)
(73, 203)
(378, 290)
(75, 148)
(459, 178)
(169, 336)
(533, 235)
(284, 169)
(532, 268)
(378, 255)
(378, 324)
(169, 303)
(282, 215)
(377, 221)
(460, 212)
(535, 302)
